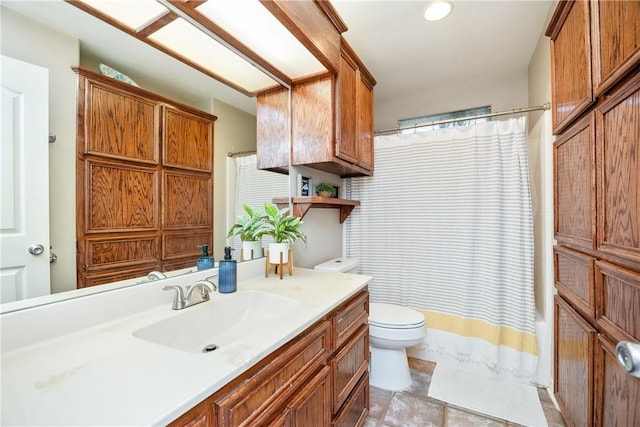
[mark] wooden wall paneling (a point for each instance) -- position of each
(618, 305)
(617, 395)
(575, 185)
(616, 41)
(575, 279)
(571, 81)
(574, 341)
(187, 140)
(120, 124)
(618, 144)
(273, 132)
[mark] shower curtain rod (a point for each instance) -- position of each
(240, 153)
(544, 106)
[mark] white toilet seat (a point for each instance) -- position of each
(392, 316)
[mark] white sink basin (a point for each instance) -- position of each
(218, 322)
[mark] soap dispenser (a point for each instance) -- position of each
(227, 273)
(205, 261)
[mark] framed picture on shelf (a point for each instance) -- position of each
(336, 192)
(304, 186)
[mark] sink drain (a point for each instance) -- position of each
(209, 348)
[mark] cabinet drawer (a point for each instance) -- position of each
(574, 277)
(618, 306)
(574, 185)
(574, 341)
(355, 410)
(617, 394)
(261, 395)
(348, 366)
(349, 318)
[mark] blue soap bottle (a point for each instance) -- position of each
(205, 261)
(227, 273)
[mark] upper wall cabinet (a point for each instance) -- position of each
(331, 121)
(594, 44)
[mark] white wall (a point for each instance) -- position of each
(501, 92)
(29, 41)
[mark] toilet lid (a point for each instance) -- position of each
(394, 316)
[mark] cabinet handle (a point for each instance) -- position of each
(628, 356)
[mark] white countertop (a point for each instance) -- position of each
(103, 375)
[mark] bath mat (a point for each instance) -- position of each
(515, 402)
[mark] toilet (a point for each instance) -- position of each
(392, 329)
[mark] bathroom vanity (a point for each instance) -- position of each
(289, 352)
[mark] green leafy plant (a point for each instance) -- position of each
(325, 187)
(281, 226)
(250, 227)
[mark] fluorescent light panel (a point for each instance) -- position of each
(131, 13)
(193, 44)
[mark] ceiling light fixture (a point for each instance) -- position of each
(437, 10)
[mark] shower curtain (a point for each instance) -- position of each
(445, 227)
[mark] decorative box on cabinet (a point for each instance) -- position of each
(571, 83)
(574, 341)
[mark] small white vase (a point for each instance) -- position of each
(274, 252)
(251, 245)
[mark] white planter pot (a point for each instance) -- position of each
(251, 245)
(274, 252)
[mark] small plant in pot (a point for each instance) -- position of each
(325, 190)
(250, 228)
(285, 229)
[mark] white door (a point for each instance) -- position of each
(24, 181)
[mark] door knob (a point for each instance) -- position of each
(628, 356)
(36, 249)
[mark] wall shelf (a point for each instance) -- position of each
(302, 204)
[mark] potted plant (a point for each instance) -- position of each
(250, 228)
(325, 190)
(284, 228)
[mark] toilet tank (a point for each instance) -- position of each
(339, 265)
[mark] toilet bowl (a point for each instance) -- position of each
(392, 328)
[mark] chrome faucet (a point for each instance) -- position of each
(156, 275)
(192, 297)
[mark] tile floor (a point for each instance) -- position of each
(414, 408)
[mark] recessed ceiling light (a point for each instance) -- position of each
(437, 10)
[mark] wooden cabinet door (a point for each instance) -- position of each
(365, 125)
(573, 372)
(616, 41)
(311, 406)
(198, 416)
(575, 181)
(272, 129)
(574, 275)
(570, 32)
(618, 143)
(348, 367)
(346, 120)
(187, 140)
(617, 394)
(118, 124)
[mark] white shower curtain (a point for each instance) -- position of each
(446, 227)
